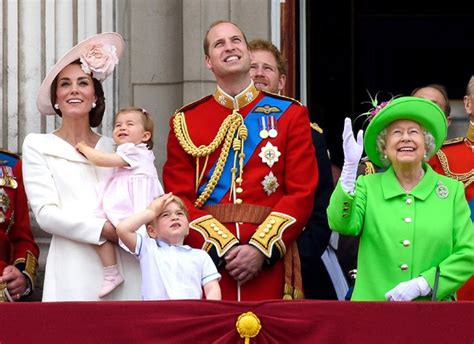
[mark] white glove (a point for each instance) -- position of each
(352, 153)
(409, 290)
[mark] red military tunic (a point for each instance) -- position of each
(17, 246)
(456, 160)
(268, 208)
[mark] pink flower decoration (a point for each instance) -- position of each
(100, 60)
(377, 109)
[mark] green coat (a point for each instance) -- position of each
(403, 236)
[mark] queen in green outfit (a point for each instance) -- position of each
(416, 235)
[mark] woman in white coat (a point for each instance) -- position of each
(61, 184)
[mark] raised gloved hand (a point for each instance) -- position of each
(409, 290)
(352, 153)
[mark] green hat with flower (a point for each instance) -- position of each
(423, 111)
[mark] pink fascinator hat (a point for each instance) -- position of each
(99, 54)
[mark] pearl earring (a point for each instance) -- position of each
(94, 105)
(56, 106)
(385, 156)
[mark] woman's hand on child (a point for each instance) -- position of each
(109, 233)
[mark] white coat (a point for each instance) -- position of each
(61, 186)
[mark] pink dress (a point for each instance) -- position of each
(131, 188)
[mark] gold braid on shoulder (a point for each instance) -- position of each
(369, 168)
(225, 134)
(466, 178)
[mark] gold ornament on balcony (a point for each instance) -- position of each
(248, 326)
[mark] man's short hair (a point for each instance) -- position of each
(441, 89)
(261, 44)
(206, 42)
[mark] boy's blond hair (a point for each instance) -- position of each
(181, 205)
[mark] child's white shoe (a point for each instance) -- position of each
(112, 279)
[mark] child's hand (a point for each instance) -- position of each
(159, 203)
(80, 146)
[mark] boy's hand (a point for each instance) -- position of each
(159, 203)
(80, 146)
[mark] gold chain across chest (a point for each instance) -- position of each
(232, 132)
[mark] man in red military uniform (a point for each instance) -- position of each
(241, 160)
(456, 160)
(18, 250)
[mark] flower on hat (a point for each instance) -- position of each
(99, 60)
(376, 106)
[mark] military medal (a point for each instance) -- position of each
(4, 204)
(13, 183)
(262, 125)
(4, 200)
(442, 190)
(3, 179)
(269, 154)
(270, 183)
(6, 178)
(272, 125)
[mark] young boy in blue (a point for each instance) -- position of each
(170, 270)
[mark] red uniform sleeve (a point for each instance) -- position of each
(24, 251)
(179, 174)
(436, 164)
(300, 178)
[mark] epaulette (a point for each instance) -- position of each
(282, 97)
(366, 166)
(193, 104)
(7, 152)
(453, 141)
(316, 127)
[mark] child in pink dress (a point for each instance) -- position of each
(134, 182)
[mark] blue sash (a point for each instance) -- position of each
(7, 159)
(253, 140)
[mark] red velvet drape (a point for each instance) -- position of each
(215, 322)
